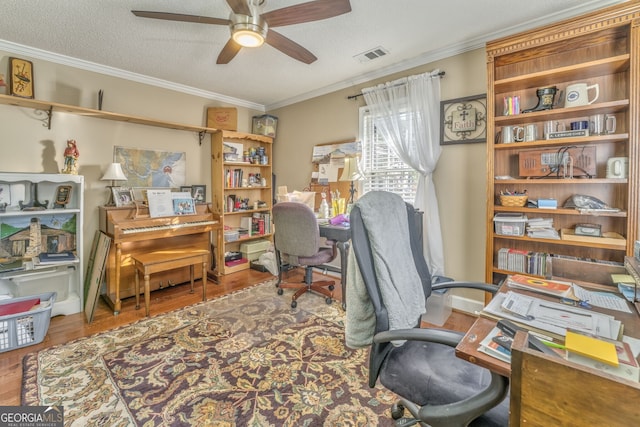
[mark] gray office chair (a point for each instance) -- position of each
(435, 386)
(297, 242)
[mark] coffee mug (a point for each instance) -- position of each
(578, 94)
(600, 124)
(530, 132)
(582, 124)
(553, 126)
(512, 134)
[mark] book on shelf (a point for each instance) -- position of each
(493, 349)
(55, 258)
(549, 287)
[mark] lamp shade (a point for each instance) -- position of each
(114, 173)
(351, 171)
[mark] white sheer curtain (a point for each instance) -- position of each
(407, 113)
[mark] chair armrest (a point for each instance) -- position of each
(468, 285)
(440, 336)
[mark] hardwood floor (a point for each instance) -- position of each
(66, 328)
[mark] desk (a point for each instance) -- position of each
(468, 347)
(551, 391)
(341, 234)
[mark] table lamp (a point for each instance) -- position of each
(351, 172)
(113, 173)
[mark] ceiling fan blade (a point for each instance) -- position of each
(289, 47)
(240, 7)
(180, 17)
(228, 52)
(307, 12)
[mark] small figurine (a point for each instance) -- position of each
(71, 155)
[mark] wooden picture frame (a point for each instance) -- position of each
(21, 78)
(463, 120)
(123, 196)
(199, 193)
(63, 196)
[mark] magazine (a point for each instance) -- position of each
(549, 287)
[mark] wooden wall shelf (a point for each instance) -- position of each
(50, 107)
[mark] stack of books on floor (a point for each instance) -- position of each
(542, 228)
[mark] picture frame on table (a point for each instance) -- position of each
(123, 196)
(21, 78)
(463, 120)
(199, 193)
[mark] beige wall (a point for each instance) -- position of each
(28, 146)
(460, 177)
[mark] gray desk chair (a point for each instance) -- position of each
(297, 242)
(435, 386)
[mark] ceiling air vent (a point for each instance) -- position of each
(372, 54)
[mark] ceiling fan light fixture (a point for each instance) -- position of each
(248, 31)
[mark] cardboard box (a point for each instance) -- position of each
(222, 118)
(253, 250)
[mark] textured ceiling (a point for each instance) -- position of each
(105, 36)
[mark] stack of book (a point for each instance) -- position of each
(55, 258)
(493, 349)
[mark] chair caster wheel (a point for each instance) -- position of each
(331, 287)
(280, 291)
(397, 411)
(294, 304)
(328, 301)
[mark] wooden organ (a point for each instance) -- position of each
(134, 232)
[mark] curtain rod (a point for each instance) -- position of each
(440, 74)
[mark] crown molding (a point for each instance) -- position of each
(31, 52)
(449, 51)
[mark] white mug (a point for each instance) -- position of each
(578, 94)
(530, 132)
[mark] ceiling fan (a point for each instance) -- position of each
(250, 28)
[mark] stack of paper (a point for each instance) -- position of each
(542, 228)
(549, 317)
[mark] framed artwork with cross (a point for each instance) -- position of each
(463, 120)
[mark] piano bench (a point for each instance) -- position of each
(156, 262)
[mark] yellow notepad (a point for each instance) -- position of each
(594, 348)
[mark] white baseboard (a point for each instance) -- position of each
(467, 305)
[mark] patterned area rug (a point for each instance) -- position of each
(245, 359)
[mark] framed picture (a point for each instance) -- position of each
(463, 120)
(199, 193)
(20, 78)
(123, 196)
(185, 188)
(63, 196)
(183, 206)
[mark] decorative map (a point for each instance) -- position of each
(151, 168)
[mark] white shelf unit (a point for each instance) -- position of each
(61, 230)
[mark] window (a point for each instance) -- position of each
(382, 168)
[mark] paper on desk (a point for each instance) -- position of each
(552, 317)
(622, 278)
(602, 299)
